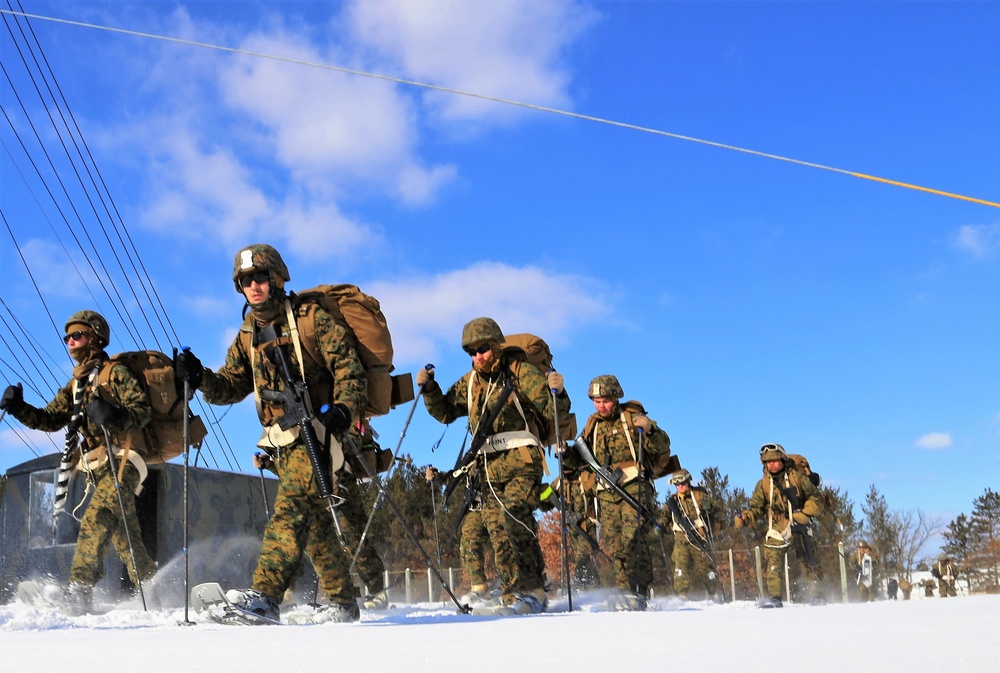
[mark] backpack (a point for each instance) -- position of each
(801, 463)
(533, 350)
(361, 315)
(163, 438)
(658, 464)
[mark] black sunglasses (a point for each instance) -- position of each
(75, 336)
(260, 278)
(478, 350)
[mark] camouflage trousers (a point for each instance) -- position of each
(947, 588)
(626, 541)
(102, 523)
(584, 565)
(301, 523)
(472, 546)
(692, 569)
(353, 517)
(803, 577)
(507, 490)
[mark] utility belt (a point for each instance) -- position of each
(505, 441)
(274, 440)
(624, 473)
(95, 459)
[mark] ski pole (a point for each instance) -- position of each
(121, 505)
(638, 512)
(371, 516)
(464, 609)
(187, 451)
(434, 511)
(562, 496)
(263, 488)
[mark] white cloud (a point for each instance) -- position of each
(935, 440)
(511, 49)
(980, 241)
(428, 313)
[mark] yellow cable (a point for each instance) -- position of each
(504, 101)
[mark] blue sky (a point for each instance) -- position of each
(743, 299)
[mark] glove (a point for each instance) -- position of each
(800, 517)
(262, 461)
(556, 382)
(424, 376)
(738, 521)
(13, 399)
(106, 414)
(336, 418)
(643, 423)
(431, 473)
(187, 367)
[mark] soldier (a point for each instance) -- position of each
(614, 433)
(945, 572)
(86, 409)
(787, 500)
(892, 588)
(301, 522)
(692, 565)
(867, 581)
(906, 587)
(509, 464)
(929, 586)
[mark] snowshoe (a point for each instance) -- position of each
(378, 601)
(769, 602)
(627, 602)
(527, 603)
(236, 607)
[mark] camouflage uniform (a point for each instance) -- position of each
(102, 522)
(301, 521)
(614, 441)
(691, 567)
(866, 594)
(768, 498)
(945, 572)
(509, 479)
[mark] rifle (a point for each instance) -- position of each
(483, 431)
(611, 479)
(572, 519)
(295, 401)
(801, 531)
(690, 532)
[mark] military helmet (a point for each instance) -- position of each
(943, 557)
(479, 330)
(95, 321)
(606, 385)
(770, 452)
(681, 476)
(260, 257)
(862, 544)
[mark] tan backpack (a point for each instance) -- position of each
(163, 438)
(533, 350)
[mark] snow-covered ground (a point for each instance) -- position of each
(961, 635)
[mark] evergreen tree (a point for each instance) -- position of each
(882, 530)
(985, 524)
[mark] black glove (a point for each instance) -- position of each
(13, 399)
(187, 367)
(336, 418)
(105, 413)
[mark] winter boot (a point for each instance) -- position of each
(255, 602)
(527, 603)
(479, 596)
(337, 612)
(79, 598)
(379, 601)
(627, 602)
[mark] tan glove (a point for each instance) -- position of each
(262, 461)
(742, 519)
(800, 517)
(424, 376)
(431, 473)
(643, 423)
(556, 382)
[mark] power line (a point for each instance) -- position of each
(506, 101)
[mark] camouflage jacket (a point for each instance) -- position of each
(339, 379)
(769, 495)
(614, 441)
(530, 386)
(698, 515)
(125, 390)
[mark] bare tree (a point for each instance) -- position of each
(913, 529)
